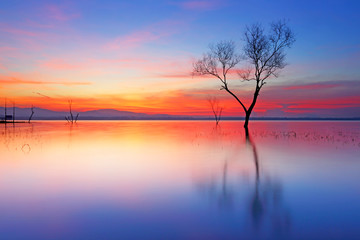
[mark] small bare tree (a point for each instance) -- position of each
(216, 108)
(13, 116)
(5, 109)
(265, 52)
(4, 120)
(32, 113)
(71, 118)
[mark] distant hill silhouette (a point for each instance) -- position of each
(101, 114)
(112, 114)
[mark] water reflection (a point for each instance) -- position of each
(263, 201)
(185, 180)
(267, 200)
(257, 202)
(18, 137)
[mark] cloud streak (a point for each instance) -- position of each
(18, 32)
(201, 5)
(60, 13)
(312, 86)
(132, 40)
(60, 64)
(150, 33)
(16, 81)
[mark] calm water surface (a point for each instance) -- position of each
(180, 180)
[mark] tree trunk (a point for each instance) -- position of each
(32, 113)
(247, 116)
(249, 110)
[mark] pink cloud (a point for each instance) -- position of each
(132, 40)
(150, 33)
(312, 86)
(60, 64)
(25, 39)
(200, 5)
(329, 103)
(58, 13)
(2, 66)
(18, 32)
(34, 24)
(119, 60)
(7, 49)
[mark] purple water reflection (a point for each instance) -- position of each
(180, 180)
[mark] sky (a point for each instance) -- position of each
(138, 56)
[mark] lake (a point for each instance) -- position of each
(180, 180)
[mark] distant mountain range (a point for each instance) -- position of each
(112, 114)
(101, 114)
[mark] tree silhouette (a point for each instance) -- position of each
(13, 116)
(71, 118)
(5, 113)
(264, 51)
(216, 108)
(32, 113)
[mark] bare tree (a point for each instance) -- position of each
(216, 108)
(71, 118)
(13, 116)
(32, 113)
(265, 53)
(5, 111)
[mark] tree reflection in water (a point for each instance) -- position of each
(267, 199)
(265, 210)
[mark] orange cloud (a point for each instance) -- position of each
(175, 75)
(195, 101)
(15, 81)
(60, 64)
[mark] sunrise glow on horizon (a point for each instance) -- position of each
(138, 56)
